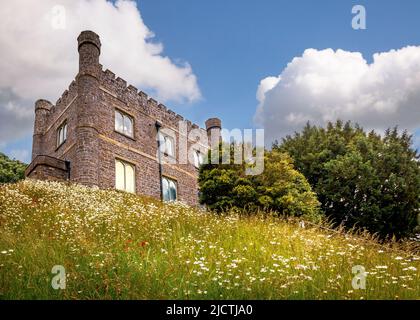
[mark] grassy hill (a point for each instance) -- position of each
(115, 245)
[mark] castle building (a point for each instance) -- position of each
(104, 133)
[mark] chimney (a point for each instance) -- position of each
(89, 47)
(213, 127)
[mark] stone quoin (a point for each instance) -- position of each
(103, 133)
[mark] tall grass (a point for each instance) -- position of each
(115, 245)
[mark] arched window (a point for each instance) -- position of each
(62, 134)
(169, 191)
(125, 176)
(123, 123)
(198, 158)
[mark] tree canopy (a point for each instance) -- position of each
(360, 178)
(280, 188)
(11, 170)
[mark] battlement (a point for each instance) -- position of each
(67, 95)
(79, 137)
(129, 94)
(117, 86)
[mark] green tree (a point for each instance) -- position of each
(11, 170)
(280, 188)
(360, 178)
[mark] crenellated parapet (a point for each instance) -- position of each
(87, 133)
(135, 98)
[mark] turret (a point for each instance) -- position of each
(213, 127)
(88, 108)
(42, 111)
(89, 47)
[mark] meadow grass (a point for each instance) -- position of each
(115, 245)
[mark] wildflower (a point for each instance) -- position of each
(143, 243)
(410, 268)
(301, 267)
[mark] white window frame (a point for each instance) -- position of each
(198, 158)
(169, 181)
(125, 186)
(126, 118)
(62, 134)
(164, 145)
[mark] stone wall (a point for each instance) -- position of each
(48, 168)
(92, 145)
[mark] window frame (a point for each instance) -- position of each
(199, 156)
(62, 129)
(124, 115)
(125, 164)
(169, 180)
(162, 138)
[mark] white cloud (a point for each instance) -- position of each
(324, 85)
(39, 60)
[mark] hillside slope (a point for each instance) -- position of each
(115, 245)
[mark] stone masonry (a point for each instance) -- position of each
(92, 144)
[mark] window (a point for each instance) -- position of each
(167, 145)
(123, 123)
(61, 134)
(198, 159)
(169, 189)
(124, 176)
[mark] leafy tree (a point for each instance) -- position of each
(11, 170)
(280, 188)
(360, 178)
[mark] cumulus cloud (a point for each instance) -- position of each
(39, 55)
(324, 85)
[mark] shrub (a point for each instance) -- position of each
(280, 188)
(360, 178)
(11, 170)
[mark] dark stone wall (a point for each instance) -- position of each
(92, 145)
(48, 168)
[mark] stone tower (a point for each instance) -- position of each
(42, 110)
(102, 132)
(214, 127)
(88, 108)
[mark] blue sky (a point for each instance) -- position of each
(233, 45)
